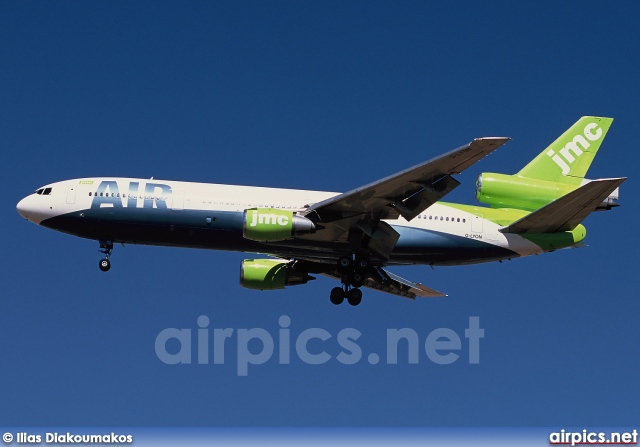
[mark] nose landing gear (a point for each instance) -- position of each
(106, 247)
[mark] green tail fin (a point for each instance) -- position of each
(568, 158)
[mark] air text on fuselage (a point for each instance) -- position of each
(108, 194)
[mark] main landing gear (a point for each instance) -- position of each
(338, 294)
(353, 277)
(106, 247)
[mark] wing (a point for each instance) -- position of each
(379, 279)
(411, 191)
(355, 216)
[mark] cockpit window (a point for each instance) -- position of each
(39, 192)
(46, 192)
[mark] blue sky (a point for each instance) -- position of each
(327, 96)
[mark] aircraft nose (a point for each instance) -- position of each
(23, 208)
(31, 209)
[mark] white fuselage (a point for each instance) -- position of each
(145, 207)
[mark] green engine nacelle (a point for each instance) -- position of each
(272, 225)
(270, 274)
(511, 191)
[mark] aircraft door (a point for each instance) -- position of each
(71, 195)
(476, 224)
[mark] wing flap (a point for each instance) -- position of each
(568, 211)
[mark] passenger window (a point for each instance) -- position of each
(90, 193)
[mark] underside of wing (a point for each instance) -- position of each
(384, 281)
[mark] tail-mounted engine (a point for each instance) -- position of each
(510, 191)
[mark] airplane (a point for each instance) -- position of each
(351, 236)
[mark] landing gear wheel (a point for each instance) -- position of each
(106, 247)
(355, 297)
(337, 295)
(105, 264)
(361, 265)
(344, 264)
(356, 280)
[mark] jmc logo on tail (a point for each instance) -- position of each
(591, 132)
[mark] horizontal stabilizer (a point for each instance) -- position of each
(565, 213)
